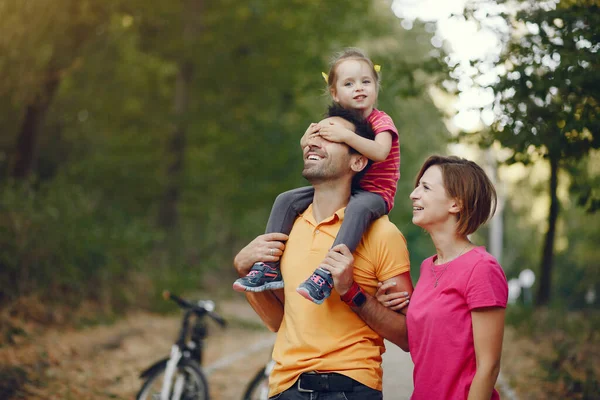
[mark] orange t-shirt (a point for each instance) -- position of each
(330, 337)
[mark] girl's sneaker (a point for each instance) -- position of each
(318, 287)
(260, 278)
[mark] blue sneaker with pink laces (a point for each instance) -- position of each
(318, 287)
(260, 278)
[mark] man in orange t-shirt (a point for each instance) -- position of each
(335, 347)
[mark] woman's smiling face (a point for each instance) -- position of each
(431, 203)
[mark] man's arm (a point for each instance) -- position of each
(387, 323)
(269, 304)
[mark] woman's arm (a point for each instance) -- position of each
(376, 150)
(488, 331)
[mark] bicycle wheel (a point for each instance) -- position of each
(188, 383)
(258, 388)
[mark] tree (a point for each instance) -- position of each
(548, 100)
(52, 42)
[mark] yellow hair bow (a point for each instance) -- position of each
(376, 67)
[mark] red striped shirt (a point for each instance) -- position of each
(382, 177)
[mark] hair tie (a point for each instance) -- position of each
(376, 67)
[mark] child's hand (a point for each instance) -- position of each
(334, 132)
(313, 129)
(391, 299)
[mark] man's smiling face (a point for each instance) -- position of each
(325, 160)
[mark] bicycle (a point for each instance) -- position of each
(258, 388)
(180, 376)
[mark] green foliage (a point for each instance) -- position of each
(102, 148)
(546, 107)
(550, 96)
(66, 244)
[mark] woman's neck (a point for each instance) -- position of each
(449, 245)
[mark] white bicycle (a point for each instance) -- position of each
(180, 376)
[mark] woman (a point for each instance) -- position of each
(455, 321)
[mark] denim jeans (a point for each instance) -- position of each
(360, 392)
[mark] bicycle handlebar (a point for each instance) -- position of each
(204, 307)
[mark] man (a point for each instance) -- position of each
(335, 347)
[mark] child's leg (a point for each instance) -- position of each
(287, 206)
(362, 209)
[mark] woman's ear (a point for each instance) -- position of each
(456, 206)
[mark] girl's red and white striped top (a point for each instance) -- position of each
(382, 177)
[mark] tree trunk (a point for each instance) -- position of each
(167, 214)
(543, 295)
(34, 117)
(63, 59)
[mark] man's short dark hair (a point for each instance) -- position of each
(361, 127)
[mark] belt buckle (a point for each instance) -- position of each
(302, 390)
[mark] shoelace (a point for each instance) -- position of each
(319, 280)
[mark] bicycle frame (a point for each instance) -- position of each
(184, 348)
(181, 349)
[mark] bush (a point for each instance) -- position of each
(567, 349)
(65, 244)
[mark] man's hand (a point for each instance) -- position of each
(335, 132)
(266, 248)
(340, 263)
(313, 129)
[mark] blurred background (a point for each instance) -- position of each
(143, 143)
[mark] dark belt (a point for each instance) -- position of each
(332, 382)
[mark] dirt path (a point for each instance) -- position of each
(104, 362)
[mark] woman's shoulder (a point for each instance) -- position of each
(481, 263)
(480, 256)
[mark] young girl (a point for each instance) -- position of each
(353, 83)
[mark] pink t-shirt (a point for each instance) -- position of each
(440, 331)
(382, 177)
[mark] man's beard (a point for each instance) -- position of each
(320, 174)
(314, 175)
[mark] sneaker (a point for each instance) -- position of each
(260, 278)
(318, 287)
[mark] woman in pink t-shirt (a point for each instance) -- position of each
(455, 321)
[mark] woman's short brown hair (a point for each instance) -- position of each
(468, 184)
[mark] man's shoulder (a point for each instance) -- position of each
(383, 227)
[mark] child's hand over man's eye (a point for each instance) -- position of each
(334, 132)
